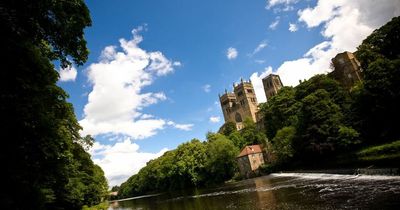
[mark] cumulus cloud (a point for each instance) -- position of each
(207, 88)
(121, 160)
(68, 73)
(231, 53)
(116, 102)
(292, 27)
(256, 80)
(345, 25)
(215, 119)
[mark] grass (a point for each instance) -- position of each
(100, 206)
(387, 151)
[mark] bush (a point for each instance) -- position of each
(267, 168)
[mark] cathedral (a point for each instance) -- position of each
(242, 102)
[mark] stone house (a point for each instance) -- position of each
(250, 159)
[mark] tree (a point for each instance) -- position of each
(377, 101)
(40, 164)
(55, 27)
(237, 139)
(382, 43)
(282, 144)
(280, 111)
(317, 128)
(228, 128)
(221, 159)
(251, 134)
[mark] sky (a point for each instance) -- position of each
(156, 68)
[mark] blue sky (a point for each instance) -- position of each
(159, 86)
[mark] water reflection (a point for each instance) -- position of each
(282, 191)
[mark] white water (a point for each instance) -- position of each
(323, 176)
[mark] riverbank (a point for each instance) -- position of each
(100, 206)
(376, 159)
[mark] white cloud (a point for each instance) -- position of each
(259, 47)
(68, 74)
(146, 116)
(177, 63)
(256, 80)
(274, 24)
(215, 119)
(184, 127)
(345, 25)
(231, 53)
(322, 12)
(259, 61)
(121, 160)
(292, 27)
(116, 101)
(207, 88)
(272, 3)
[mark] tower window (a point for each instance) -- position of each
(240, 93)
(249, 90)
(238, 117)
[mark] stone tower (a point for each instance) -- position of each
(239, 104)
(347, 69)
(272, 83)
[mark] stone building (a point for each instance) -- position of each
(239, 104)
(347, 69)
(250, 159)
(272, 83)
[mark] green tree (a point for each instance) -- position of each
(221, 159)
(280, 111)
(40, 159)
(282, 144)
(251, 134)
(237, 139)
(377, 100)
(317, 128)
(228, 128)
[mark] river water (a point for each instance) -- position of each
(282, 191)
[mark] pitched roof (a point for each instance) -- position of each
(251, 149)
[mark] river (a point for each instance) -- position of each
(282, 191)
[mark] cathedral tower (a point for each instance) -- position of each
(272, 83)
(347, 69)
(239, 104)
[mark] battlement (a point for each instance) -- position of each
(239, 104)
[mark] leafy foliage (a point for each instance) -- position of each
(376, 102)
(192, 164)
(283, 144)
(45, 164)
